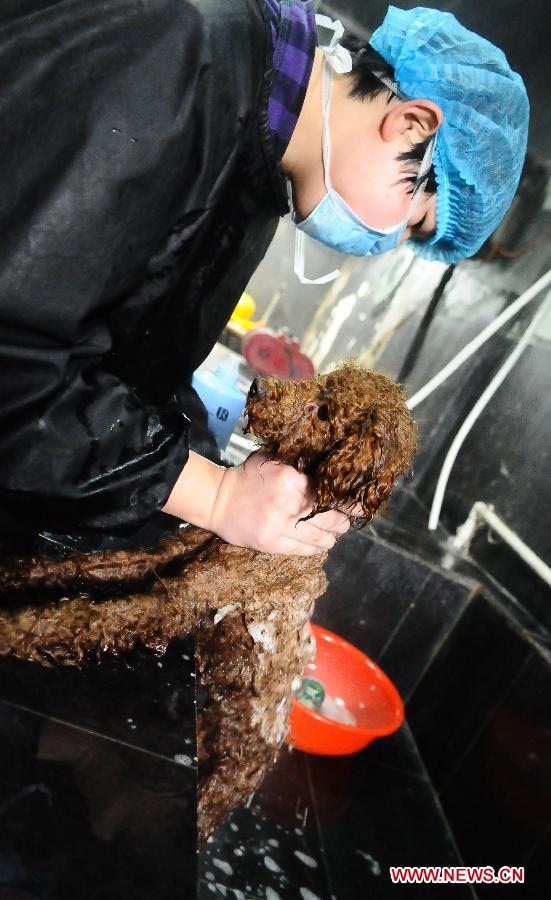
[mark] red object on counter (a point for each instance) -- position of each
(368, 694)
(271, 352)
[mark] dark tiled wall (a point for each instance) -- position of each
(503, 782)
(477, 683)
(472, 672)
(394, 607)
(505, 458)
(410, 650)
(481, 716)
(496, 557)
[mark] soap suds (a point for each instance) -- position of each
(263, 633)
(183, 760)
(224, 611)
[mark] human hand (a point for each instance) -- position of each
(258, 505)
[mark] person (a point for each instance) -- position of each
(148, 152)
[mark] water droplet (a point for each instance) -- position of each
(307, 860)
(223, 866)
(307, 894)
(271, 864)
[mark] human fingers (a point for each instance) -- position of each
(290, 489)
(306, 533)
(258, 504)
(289, 547)
(333, 520)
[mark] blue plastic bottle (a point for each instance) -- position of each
(223, 400)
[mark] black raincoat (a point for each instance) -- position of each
(139, 193)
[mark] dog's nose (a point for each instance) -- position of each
(258, 388)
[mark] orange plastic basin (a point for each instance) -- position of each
(352, 678)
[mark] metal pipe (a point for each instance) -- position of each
(479, 406)
(484, 511)
(479, 340)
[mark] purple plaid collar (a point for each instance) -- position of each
(293, 27)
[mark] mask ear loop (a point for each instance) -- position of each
(326, 138)
(298, 267)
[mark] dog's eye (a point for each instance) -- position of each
(323, 412)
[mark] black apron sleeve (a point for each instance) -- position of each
(99, 132)
(77, 447)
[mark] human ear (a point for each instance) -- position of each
(413, 120)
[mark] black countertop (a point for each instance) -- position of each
(98, 778)
(329, 828)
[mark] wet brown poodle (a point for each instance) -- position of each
(351, 432)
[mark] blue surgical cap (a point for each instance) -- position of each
(481, 144)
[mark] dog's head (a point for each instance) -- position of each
(350, 431)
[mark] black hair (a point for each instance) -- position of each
(366, 86)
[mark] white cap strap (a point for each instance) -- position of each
(339, 58)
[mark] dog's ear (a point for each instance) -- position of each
(359, 469)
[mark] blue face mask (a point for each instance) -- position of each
(333, 222)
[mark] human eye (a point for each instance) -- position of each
(417, 232)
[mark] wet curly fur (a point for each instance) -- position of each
(351, 432)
